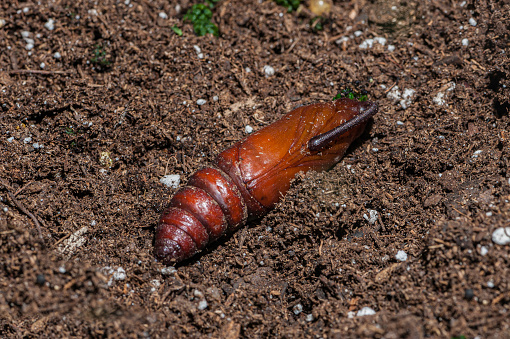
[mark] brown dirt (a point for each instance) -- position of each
(83, 144)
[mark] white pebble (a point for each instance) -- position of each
(400, 123)
(297, 309)
(215, 98)
(202, 305)
(472, 22)
(401, 255)
(57, 55)
(309, 317)
(248, 129)
(199, 51)
(380, 40)
(365, 311)
(163, 15)
(37, 145)
(358, 33)
(439, 99)
(465, 42)
(268, 70)
(27, 140)
(62, 269)
(200, 102)
(394, 93)
(93, 223)
(391, 48)
(11, 139)
(342, 40)
(50, 24)
(42, 65)
(247, 69)
(484, 250)
(477, 153)
(119, 274)
(407, 97)
(368, 43)
(490, 284)
(373, 216)
(501, 236)
(168, 270)
(171, 180)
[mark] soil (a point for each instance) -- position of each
(98, 101)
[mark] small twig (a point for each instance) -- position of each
(166, 165)
(62, 239)
(390, 88)
(35, 71)
(22, 188)
(302, 10)
(243, 237)
(456, 210)
(381, 223)
(14, 61)
(27, 212)
(375, 239)
(293, 45)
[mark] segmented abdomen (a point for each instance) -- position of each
(251, 176)
(209, 206)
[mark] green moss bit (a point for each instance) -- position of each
(69, 131)
(316, 23)
(177, 30)
(351, 94)
(291, 5)
(99, 56)
(200, 16)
